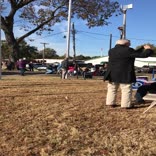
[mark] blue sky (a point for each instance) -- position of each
(140, 29)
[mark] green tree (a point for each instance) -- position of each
(5, 50)
(81, 57)
(49, 53)
(25, 50)
(36, 16)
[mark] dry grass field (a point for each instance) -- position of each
(42, 115)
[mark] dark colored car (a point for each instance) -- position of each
(148, 69)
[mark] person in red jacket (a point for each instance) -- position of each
(121, 71)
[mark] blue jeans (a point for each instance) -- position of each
(22, 71)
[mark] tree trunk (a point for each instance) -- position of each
(13, 46)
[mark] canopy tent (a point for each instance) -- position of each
(139, 62)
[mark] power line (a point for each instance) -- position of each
(98, 34)
(92, 33)
(114, 36)
(50, 35)
(142, 39)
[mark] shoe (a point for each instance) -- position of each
(140, 102)
(112, 106)
(131, 107)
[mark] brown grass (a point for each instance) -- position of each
(46, 116)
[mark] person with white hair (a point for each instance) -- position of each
(121, 71)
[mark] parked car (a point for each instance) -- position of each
(148, 69)
(138, 69)
(40, 66)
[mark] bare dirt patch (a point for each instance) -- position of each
(46, 116)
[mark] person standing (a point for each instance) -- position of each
(64, 66)
(76, 68)
(31, 66)
(22, 66)
(121, 72)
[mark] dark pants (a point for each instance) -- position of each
(143, 90)
(22, 71)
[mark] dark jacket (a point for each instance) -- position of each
(22, 64)
(65, 64)
(152, 89)
(121, 63)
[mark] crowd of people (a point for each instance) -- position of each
(86, 70)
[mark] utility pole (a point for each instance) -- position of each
(69, 25)
(121, 32)
(110, 42)
(43, 54)
(73, 32)
(124, 11)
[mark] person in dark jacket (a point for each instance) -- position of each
(31, 66)
(143, 90)
(121, 71)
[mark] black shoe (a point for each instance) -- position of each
(140, 102)
(131, 107)
(112, 106)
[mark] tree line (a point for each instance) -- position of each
(32, 53)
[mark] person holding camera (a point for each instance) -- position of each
(121, 72)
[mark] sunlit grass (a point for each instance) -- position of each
(45, 116)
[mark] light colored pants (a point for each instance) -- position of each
(126, 94)
(64, 74)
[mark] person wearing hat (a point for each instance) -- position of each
(121, 71)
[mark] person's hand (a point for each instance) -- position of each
(147, 47)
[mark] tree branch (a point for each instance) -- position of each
(34, 30)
